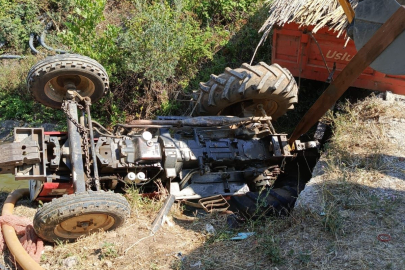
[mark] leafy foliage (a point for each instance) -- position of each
(222, 11)
(17, 20)
(154, 51)
(82, 37)
(157, 37)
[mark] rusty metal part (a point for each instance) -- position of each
(263, 112)
(160, 218)
(25, 157)
(82, 224)
(239, 91)
(19, 153)
(385, 35)
(93, 147)
(267, 177)
(75, 149)
(213, 204)
(192, 204)
(83, 131)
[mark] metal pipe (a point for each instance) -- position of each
(106, 135)
(12, 241)
(101, 126)
(93, 147)
(140, 126)
(154, 122)
(201, 121)
(75, 150)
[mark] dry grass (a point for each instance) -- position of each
(361, 189)
(13, 73)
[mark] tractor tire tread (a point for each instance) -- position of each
(59, 63)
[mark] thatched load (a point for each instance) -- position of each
(319, 13)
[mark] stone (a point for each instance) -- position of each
(69, 262)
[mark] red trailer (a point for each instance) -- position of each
(295, 49)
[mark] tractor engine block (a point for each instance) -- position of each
(191, 162)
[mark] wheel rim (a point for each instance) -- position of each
(55, 90)
(83, 224)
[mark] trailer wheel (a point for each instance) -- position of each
(46, 79)
(75, 215)
(239, 92)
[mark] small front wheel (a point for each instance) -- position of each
(75, 215)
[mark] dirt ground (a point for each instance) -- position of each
(357, 193)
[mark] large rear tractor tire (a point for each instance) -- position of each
(46, 79)
(240, 91)
(71, 216)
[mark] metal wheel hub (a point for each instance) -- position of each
(56, 91)
(79, 225)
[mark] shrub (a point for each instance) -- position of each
(17, 20)
(222, 11)
(82, 36)
(150, 49)
(162, 38)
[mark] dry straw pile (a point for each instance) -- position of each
(319, 13)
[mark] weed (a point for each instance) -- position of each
(108, 250)
(218, 236)
(141, 203)
(269, 246)
(332, 220)
(60, 243)
(222, 11)
(304, 258)
(17, 20)
(177, 265)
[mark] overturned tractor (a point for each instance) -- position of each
(229, 147)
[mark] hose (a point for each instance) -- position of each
(12, 241)
(42, 42)
(11, 56)
(31, 43)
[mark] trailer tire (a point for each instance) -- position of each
(239, 91)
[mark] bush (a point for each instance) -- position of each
(163, 39)
(82, 36)
(17, 20)
(150, 49)
(222, 11)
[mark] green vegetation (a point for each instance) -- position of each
(154, 51)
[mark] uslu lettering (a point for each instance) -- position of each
(339, 56)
